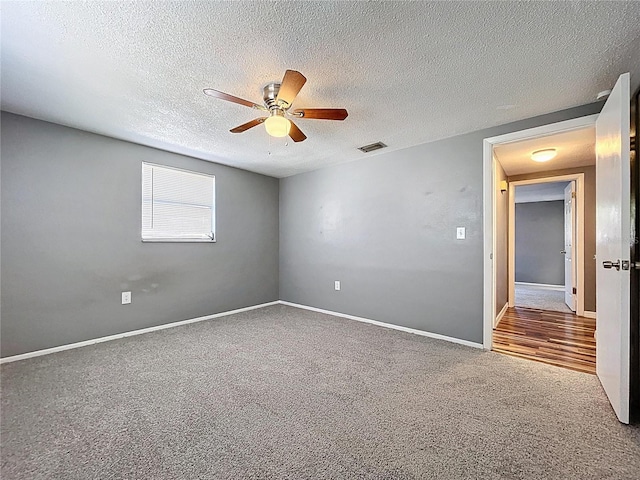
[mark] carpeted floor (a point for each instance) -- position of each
(286, 393)
(542, 298)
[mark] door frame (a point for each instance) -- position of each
(578, 249)
(489, 221)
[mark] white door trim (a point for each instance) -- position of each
(578, 249)
(488, 313)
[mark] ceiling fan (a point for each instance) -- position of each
(278, 98)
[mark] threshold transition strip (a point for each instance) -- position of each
(561, 339)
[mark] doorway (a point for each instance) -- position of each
(543, 307)
(546, 249)
(498, 194)
(545, 320)
(616, 352)
(545, 227)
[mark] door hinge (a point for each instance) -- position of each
(575, 290)
(573, 194)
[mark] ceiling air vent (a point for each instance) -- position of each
(371, 147)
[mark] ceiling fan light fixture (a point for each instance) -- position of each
(544, 155)
(278, 98)
(277, 126)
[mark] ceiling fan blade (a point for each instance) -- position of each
(246, 126)
(321, 113)
(291, 85)
(296, 134)
(230, 98)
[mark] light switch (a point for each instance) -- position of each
(461, 233)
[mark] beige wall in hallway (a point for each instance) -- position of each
(501, 254)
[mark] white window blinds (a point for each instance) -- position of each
(177, 205)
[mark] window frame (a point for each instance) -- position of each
(212, 239)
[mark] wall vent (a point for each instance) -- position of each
(371, 147)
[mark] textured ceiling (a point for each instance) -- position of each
(576, 148)
(407, 72)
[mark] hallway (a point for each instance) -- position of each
(541, 298)
(561, 339)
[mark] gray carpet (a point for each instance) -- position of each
(286, 393)
(541, 298)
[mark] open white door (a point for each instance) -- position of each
(613, 236)
(569, 245)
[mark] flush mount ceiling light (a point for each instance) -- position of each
(544, 155)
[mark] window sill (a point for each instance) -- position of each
(177, 240)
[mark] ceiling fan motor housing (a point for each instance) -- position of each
(270, 94)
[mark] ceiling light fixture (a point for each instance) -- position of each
(276, 125)
(544, 155)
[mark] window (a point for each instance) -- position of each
(177, 205)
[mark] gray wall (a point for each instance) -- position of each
(589, 226)
(501, 253)
(385, 226)
(71, 240)
(539, 240)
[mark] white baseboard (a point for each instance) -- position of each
(545, 286)
(47, 351)
(588, 314)
(387, 325)
(61, 348)
(500, 315)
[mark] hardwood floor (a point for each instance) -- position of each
(561, 339)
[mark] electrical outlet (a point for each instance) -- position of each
(461, 233)
(337, 284)
(126, 298)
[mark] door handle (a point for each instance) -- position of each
(609, 264)
(563, 252)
